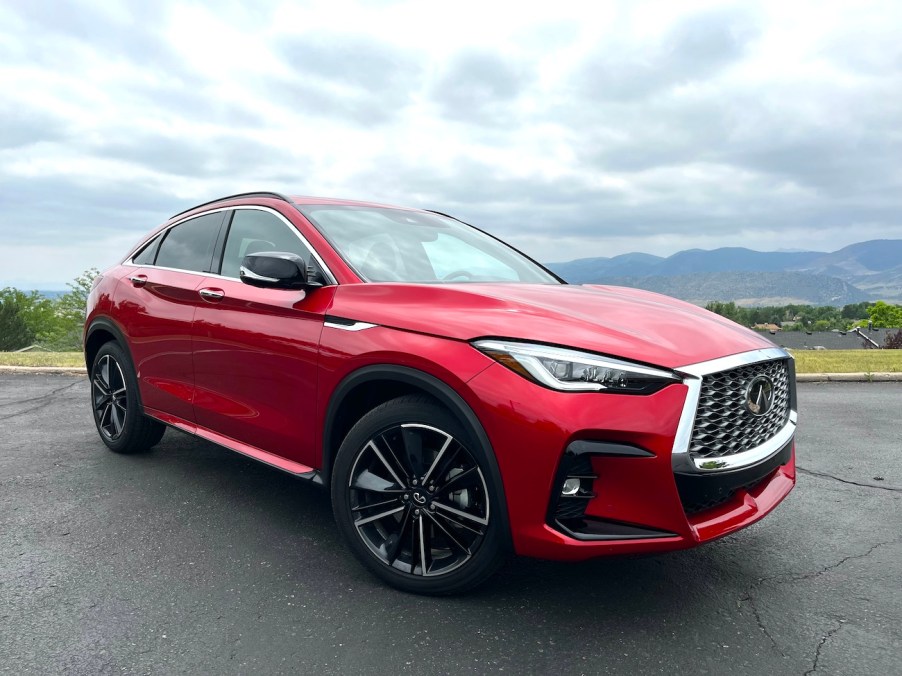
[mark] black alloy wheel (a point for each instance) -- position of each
(118, 414)
(110, 398)
(412, 497)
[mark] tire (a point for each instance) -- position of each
(439, 537)
(118, 413)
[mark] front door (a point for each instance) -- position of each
(255, 350)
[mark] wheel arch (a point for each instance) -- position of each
(100, 331)
(366, 388)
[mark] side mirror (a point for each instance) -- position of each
(275, 270)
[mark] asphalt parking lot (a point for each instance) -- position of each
(195, 560)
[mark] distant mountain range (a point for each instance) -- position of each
(864, 271)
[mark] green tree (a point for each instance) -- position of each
(797, 317)
(885, 316)
(856, 310)
(69, 313)
(730, 311)
(14, 332)
(54, 324)
(37, 311)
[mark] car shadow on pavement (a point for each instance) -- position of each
(256, 499)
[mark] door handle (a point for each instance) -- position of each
(211, 294)
(138, 280)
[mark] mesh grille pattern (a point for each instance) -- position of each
(712, 500)
(723, 423)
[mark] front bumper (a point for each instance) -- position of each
(642, 502)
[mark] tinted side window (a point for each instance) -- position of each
(148, 253)
(253, 231)
(189, 245)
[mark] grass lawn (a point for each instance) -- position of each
(42, 359)
(848, 361)
(807, 361)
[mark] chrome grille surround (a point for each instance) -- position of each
(693, 376)
(723, 423)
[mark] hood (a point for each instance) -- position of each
(621, 322)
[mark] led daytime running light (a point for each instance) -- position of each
(574, 371)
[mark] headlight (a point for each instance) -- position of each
(574, 371)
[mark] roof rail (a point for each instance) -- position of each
(263, 193)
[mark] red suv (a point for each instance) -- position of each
(459, 400)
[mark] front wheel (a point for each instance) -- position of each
(121, 423)
(411, 496)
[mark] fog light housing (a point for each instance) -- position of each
(571, 486)
(575, 486)
(575, 482)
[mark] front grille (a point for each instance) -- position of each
(723, 423)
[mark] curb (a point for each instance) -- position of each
(65, 370)
(848, 377)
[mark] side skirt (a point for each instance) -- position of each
(296, 469)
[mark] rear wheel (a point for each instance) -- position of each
(411, 495)
(121, 423)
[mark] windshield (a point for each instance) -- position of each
(396, 245)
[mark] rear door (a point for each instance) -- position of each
(156, 302)
(255, 350)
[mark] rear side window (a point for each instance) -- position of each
(189, 245)
(254, 231)
(148, 253)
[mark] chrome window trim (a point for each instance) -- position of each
(692, 379)
(156, 233)
(204, 274)
(325, 268)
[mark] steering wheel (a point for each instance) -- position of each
(466, 274)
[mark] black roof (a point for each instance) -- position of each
(831, 340)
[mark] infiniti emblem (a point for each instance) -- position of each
(419, 499)
(759, 395)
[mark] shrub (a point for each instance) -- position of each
(53, 324)
(14, 332)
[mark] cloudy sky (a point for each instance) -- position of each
(571, 129)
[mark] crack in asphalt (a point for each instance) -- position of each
(43, 398)
(817, 654)
(785, 579)
(824, 475)
(809, 576)
(760, 622)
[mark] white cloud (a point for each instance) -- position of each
(595, 128)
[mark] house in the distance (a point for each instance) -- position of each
(828, 340)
